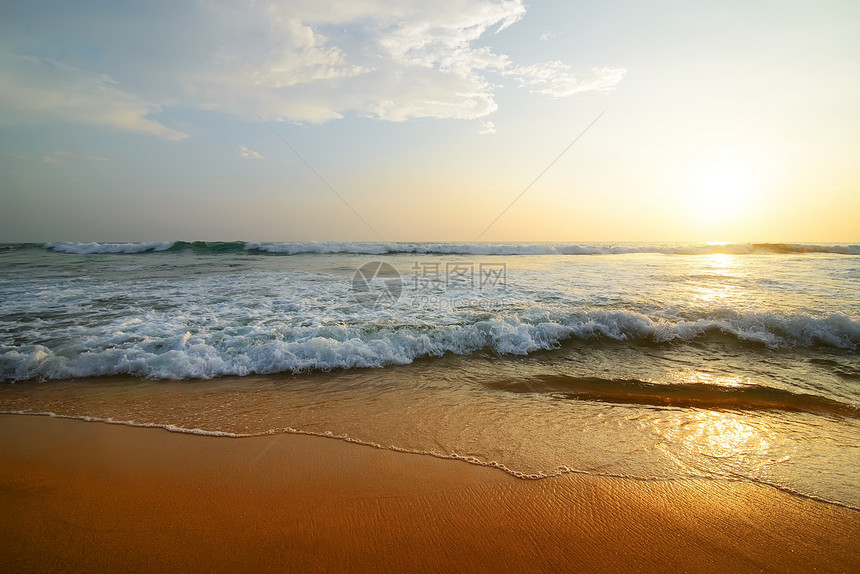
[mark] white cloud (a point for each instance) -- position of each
(249, 153)
(316, 61)
(34, 89)
(50, 160)
(306, 61)
(556, 80)
(487, 128)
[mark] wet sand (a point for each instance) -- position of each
(79, 496)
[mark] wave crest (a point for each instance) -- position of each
(147, 350)
(346, 247)
(113, 248)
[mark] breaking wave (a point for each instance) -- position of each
(153, 349)
(298, 248)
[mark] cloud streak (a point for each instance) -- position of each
(555, 79)
(249, 153)
(487, 128)
(33, 89)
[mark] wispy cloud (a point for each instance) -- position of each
(556, 79)
(33, 90)
(249, 153)
(487, 128)
(53, 158)
(73, 155)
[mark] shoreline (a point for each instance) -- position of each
(453, 457)
(77, 495)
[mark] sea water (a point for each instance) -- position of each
(652, 361)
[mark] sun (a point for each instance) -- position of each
(719, 188)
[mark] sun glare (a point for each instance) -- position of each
(719, 189)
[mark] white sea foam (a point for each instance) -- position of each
(131, 423)
(389, 248)
(91, 248)
(151, 350)
(174, 316)
(546, 248)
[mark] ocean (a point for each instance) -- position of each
(650, 361)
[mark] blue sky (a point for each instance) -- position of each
(725, 121)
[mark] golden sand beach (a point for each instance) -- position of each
(80, 496)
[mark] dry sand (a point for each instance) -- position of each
(79, 496)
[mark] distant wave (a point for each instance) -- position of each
(697, 395)
(380, 248)
(151, 352)
(92, 248)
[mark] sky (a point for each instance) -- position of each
(452, 120)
